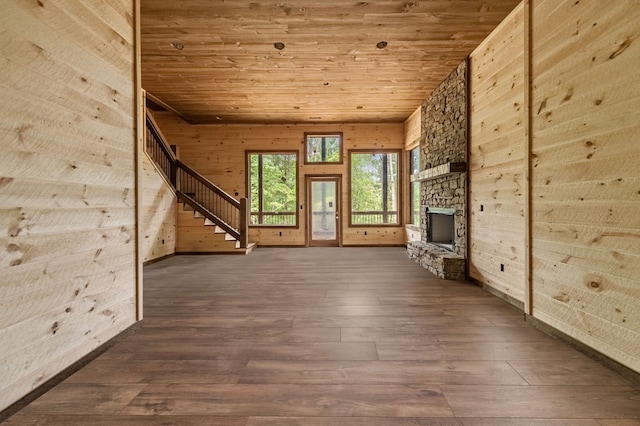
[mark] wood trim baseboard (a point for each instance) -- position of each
(375, 245)
(624, 371)
(210, 253)
(67, 372)
(158, 259)
(283, 246)
(499, 294)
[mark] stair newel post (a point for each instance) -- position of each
(175, 177)
(244, 222)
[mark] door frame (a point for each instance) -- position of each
(337, 178)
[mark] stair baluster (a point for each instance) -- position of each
(197, 191)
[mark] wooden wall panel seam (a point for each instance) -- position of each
(496, 159)
(528, 131)
(584, 185)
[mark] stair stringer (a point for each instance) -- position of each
(197, 234)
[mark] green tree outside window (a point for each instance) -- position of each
(273, 180)
(374, 188)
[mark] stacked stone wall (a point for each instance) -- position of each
(444, 140)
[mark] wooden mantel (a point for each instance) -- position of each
(445, 169)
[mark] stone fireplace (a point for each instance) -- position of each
(443, 179)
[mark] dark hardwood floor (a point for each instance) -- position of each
(331, 336)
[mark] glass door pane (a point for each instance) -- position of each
(323, 210)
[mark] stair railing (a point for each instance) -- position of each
(197, 191)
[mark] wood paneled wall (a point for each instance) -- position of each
(413, 129)
(158, 214)
(412, 134)
(67, 185)
(218, 152)
(586, 174)
(496, 159)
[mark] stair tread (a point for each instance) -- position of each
(228, 238)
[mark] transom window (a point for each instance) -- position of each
(415, 160)
(415, 203)
(375, 189)
(323, 148)
(273, 183)
(414, 188)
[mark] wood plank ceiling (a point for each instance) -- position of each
(215, 61)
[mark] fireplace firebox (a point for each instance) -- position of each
(441, 227)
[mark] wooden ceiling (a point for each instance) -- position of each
(214, 61)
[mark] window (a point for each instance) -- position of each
(414, 196)
(273, 183)
(375, 189)
(323, 148)
(415, 160)
(415, 203)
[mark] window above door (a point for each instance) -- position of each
(323, 148)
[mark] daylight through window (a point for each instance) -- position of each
(414, 158)
(415, 203)
(323, 148)
(273, 183)
(374, 188)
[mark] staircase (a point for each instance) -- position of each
(204, 203)
(193, 240)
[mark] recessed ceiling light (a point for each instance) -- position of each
(218, 118)
(381, 44)
(177, 44)
(278, 45)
